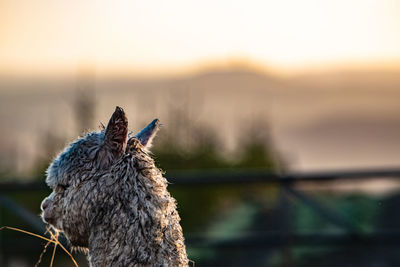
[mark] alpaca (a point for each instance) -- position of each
(109, 198)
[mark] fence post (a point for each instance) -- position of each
(286, 226)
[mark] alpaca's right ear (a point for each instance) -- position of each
(147, 134)
(115, 137)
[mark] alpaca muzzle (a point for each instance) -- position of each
(47, 213)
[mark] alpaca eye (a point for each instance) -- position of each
(62, 187)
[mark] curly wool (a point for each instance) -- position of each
(138, 215)
(122, 213)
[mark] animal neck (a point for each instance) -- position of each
(139, 225)
(110, 248)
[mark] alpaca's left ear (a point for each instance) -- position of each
(147, 134)
(115, 138)
(116, 132)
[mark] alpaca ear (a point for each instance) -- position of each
(115, 138)
(117, 132)
(147, 134)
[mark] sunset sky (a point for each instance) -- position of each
(161, 36)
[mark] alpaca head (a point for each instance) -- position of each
(75, 175)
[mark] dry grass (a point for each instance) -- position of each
(54, 239)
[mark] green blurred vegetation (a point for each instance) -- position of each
(206, 154)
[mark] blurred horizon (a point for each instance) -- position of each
(314, 121)
(197, 68)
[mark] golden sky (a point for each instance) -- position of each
(160, 36)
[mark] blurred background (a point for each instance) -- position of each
(280, 119)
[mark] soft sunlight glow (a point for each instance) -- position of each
(145, 36)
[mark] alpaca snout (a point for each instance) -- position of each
(47, 214)
(45, 204)
(47, 218)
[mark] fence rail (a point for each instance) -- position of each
(320, 239)
(222, 177)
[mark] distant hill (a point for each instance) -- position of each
(316, 120)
